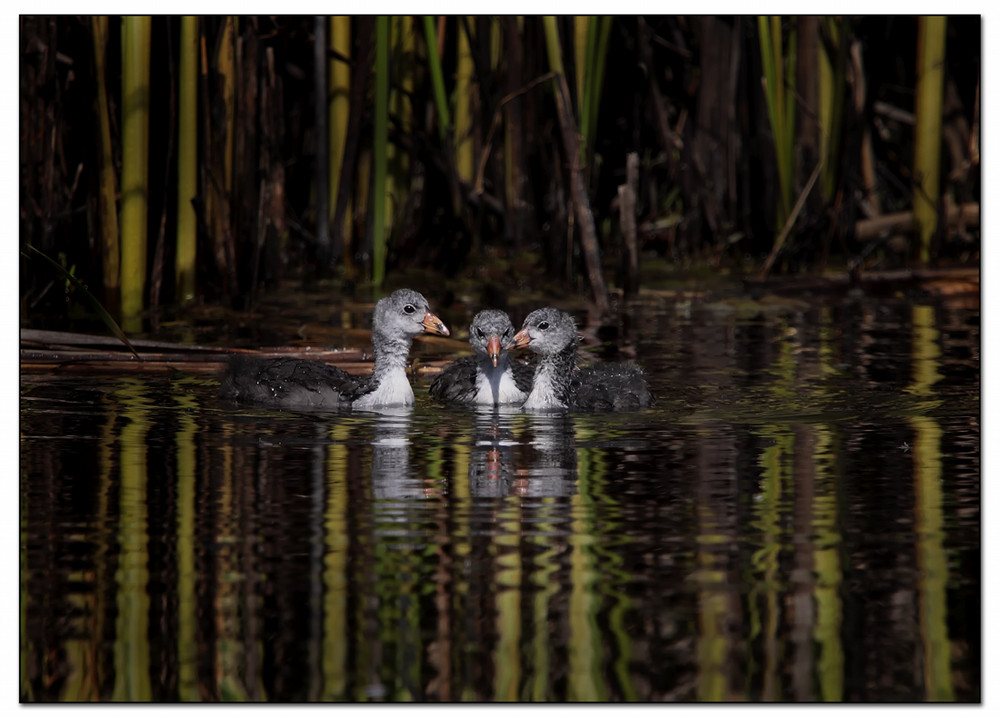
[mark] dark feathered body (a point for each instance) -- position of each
(491, 377)
(609, 387)
(288, 382)
(557, 383)
(301, 384)
(471, 380)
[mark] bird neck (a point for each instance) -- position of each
(388, 385)
(390, 353)
(550, 388)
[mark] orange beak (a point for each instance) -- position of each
(433, 325)
(493, 348)
(521, 339)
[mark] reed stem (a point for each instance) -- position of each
(187, 161)
(927, 130)
(400, 108)
(380, 139)
(340, 93)
(135, 166)
(321, 120)
(107, 195)
(465, 162)
(437, 78)
(779, 93)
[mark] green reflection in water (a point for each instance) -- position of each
(506, 657)
(131, 646)
(395, 615)
(542, 577)
(774, 461)
(712, 641)
(228, 611)
(827, 541)
(456, 585)
(608, 551)
(81, 655)
(584, 682)
(409, 653)
(187, 612)
(827, 544)
(765, 561)
(335, 560)
(104, 537)
(932, 558)
(364, 580)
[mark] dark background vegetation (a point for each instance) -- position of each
(684, 93)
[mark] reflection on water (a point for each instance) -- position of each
(796, 520)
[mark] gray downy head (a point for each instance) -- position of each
(547, 331)
(404, 314)
(489, 334)
(552, 335)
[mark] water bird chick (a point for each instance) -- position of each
(490, 377)
(557, 383)
(303, 384)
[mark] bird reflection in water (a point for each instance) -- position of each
(522, 455)
(391, 478)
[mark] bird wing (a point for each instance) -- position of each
(456, 382)
(290, 381)
(524, 375)
(609, 387)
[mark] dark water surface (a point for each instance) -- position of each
(797, 519)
